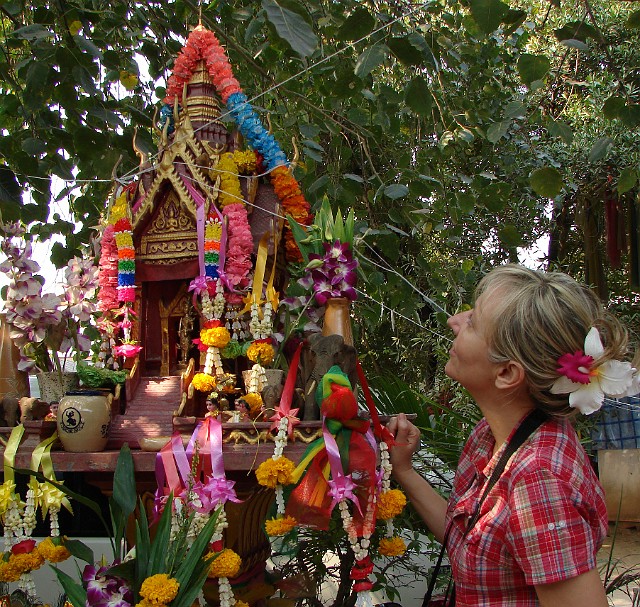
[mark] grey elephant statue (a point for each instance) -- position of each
(324, 352)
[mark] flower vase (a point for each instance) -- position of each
(337, 319)
(54, 385)
(83, 421)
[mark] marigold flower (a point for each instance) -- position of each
(273, 472)
(218, 337)
(254, 402)
(226, 564)
(261, 352)
(392, 546)
(159, 588)
(241, 604)
(27, 562)
(390, 504)
(280, 525)
(51, 552)
(9, 572)
(203, 382)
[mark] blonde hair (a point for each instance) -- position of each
(536, 317)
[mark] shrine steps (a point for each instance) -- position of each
(149, 413)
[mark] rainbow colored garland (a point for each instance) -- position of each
(203, 44)
(121, 221)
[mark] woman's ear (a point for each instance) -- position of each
(510, 376)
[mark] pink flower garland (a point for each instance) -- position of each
(108, 271)
(239, 248)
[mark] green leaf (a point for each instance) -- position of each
(33, 33)
(10, 195)
(498, 130)
(87, 45)
(34, 146)
(395, 191)
(557, 128)
(418, 96)
(404, 51)
(546, 182)
(76, 594)
(356, 25)
(124, 481)
(495, 196)
(577, 44)
(633, 20)
(577, 30)
(630, 115)
(370, 59)
(80, 551)
(510, 236)
(515, 109)
(533, 67)
(488, 14)
(627, 179)
(600, 149)
(612, 107)
(291, 27)
(300, 235)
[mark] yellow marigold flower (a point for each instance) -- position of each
(147, 603)
(392, 546)
(226, 564)
(123, 239)
(245, 161)
(254, 402)
(390, 504)
(261, 352)
(9, 572)
(51, 552)
(27, 561)
(159, 588)
(230, 192)
(274, 472)
(203, 382)
(213, 231)
(241, 604)
(218, 337)
(280, 526)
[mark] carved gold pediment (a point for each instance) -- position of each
(171, 236)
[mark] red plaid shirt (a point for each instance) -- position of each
(542, 522)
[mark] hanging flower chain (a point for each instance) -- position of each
(587, 383)
(203, 44)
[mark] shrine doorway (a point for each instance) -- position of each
(168, 325)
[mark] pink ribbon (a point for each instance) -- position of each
(341, 485)
(172, 471)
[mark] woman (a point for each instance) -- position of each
(524, 347)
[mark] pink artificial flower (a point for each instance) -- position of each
(127, 350)
(575, 366)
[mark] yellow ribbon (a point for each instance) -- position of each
(48, 495)
(255, 297)
(271, 294)
(8, 488)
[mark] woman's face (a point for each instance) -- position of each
(469, 362)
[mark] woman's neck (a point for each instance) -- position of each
(504, 417)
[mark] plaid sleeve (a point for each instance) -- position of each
(549, 532)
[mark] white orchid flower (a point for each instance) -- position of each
(586, 384)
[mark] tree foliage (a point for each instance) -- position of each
(460, 132)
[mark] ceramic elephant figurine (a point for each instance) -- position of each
(32, 408)
(9, 410)
(326, 351)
